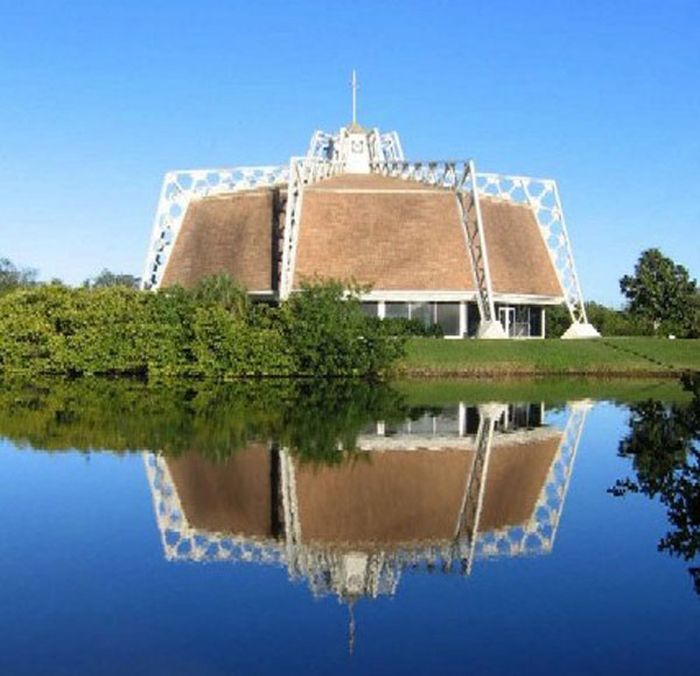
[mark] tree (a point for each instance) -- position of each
(108, 278)
(660, 291)
(12, 277)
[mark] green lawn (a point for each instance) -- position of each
(605, 357)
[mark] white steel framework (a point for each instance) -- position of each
(329, 154)
(542, 196)
(384, 147)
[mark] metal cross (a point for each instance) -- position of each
(355, 87)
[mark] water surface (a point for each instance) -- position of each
(524, 527)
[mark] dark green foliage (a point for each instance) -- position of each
(108, 278)
(608, 321)
(398, 326)
(611, 322)
(211, 331)
(661, 292)
(328, 334)
(12, 277)
(557, 320)
(222, 291)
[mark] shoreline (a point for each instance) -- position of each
(499, 374)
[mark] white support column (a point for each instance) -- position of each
(544, 322)
(489, 326)
(381, 309)
(463, 318)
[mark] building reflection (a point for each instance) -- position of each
(447, 488)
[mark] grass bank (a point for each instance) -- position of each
(609, 357)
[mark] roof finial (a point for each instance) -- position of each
(355, 87)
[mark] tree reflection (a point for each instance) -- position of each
(663, 445)
(315, 418)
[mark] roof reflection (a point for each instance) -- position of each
(438, 492)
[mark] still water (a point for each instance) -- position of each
(530, 527)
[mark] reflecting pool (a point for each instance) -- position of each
(338, 527)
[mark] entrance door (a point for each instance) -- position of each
(506, 315)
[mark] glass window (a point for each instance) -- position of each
(369, 308)
(422, 426)
(396, 310)
(448, 318)
(472, 319)
(521, 328)
(447, 422)
(535, 321)
(423, 312)
(471, 422)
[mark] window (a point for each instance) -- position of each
(369, 308)
(423, 312)
(472, 319)
(536, 321)
(447, 316)
(396, 310)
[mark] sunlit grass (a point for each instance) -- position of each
(610, 356)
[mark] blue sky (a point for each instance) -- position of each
(98, 100)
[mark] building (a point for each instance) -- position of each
(479, 254)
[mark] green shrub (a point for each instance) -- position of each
(328, 333)
(211, 331)
(398, 326)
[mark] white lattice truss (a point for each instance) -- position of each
(542, 196)
(328, 570)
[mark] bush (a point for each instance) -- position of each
(617, 322)
(398, 326)
(328, 333)
(211, 331)
(557, 320)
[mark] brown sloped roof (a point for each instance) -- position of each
(230, 233)
(399, 234)
(389, 233)
(226, 497)
(518, 257)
